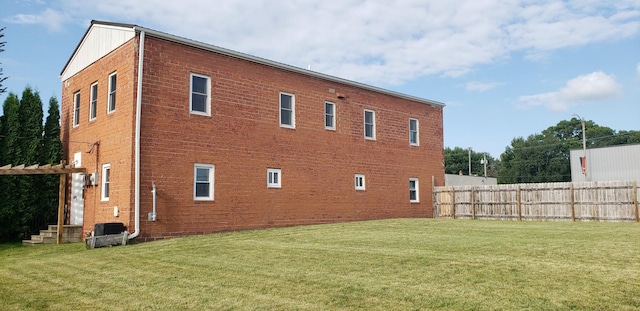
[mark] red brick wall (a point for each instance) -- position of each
(242, 138)
(113, 131)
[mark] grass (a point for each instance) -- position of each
(398, 264)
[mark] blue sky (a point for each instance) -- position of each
(504, 68)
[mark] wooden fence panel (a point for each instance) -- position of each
(589, 201)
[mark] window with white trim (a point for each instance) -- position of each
(329, 116)
(413, 132)
(359, 181)
(369, 124)
(287, 110)
(93, 104)
(203, 182)
(111, 102)
(76, 109)
(106, 182)
(200, 95)
(274, 178)
(413, 190)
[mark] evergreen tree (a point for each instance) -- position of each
(2, 79)
(9, 199)
(30, 143)
(51, 153)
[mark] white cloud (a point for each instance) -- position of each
(481, 86)
(51, 19)
(591, 87)
(380, 42)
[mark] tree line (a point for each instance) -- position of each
(541, 157)
(28, 202)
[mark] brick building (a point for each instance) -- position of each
(215, 140)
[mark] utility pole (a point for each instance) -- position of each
(469, 160)
(484, 161)
(583, 166)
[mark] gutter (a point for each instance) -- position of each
(137, 138)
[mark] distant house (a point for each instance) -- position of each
(183, 137)
(615, 163)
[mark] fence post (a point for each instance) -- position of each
(453, 203)
(519, 203)
(635, 199)
(573, 211)
(436, 209)
(473, 204)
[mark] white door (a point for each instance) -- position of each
(77, 192)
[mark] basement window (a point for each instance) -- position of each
(274, 178)
(359, 180)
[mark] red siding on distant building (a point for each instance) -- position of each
(243, 138)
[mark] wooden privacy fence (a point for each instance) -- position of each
(586, 201)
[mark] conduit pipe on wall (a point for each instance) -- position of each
(137, 139)
(152, 215)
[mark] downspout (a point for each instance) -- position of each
(137, 138)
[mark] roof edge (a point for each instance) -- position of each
(275, 64)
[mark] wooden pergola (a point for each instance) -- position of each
(61, 169)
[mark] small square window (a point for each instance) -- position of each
(413, 132)
(76, 109)
(413, 190)
(329, 116)
(287, 110)
(111, 105)
(200, 99)
(203, 182)
(359, 180)
(93, 105)
(106, 182)
(274, 178)
(369, 124)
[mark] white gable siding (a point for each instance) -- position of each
(99, 41)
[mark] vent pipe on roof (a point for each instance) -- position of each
(137, 138)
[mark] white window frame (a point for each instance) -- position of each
(415, 189)
(105, 185)
(274, 178)
(210, 180)
(207, 104)
(111, 99)
(417, 132)
(76, 109)
(93, 101)
(359, 182)
(331, 115)
(293, 110)
(373, 124)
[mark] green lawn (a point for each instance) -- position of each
(398, 264)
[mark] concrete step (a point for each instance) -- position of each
(70, 234)
(31, 242)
